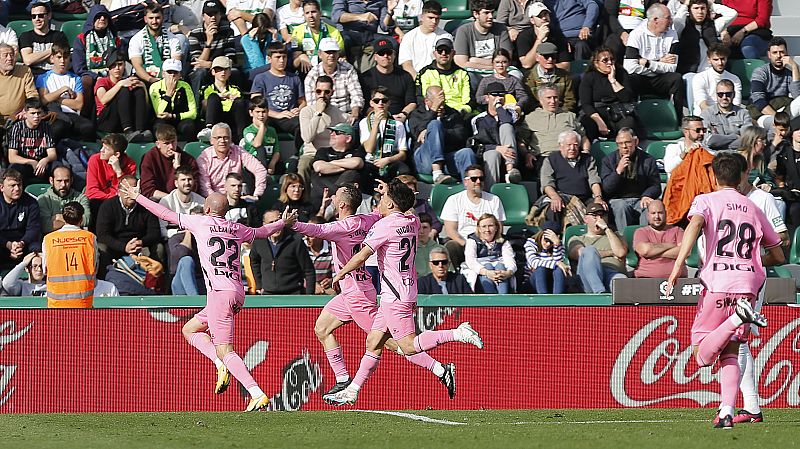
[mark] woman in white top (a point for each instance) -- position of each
(489, 258)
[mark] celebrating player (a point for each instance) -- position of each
(734, 230)
(394, 238)
(218, 243)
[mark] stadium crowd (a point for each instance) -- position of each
(562, 140)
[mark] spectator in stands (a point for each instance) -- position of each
(35, 44)
(405, 15)
(121, 102)
(780, 138)
(426, 241)
(260, 139)
(160, 163)
(184, 261)
(17, 82)
(306, 38)
(361, 21)
(475, 42)
(315, 121)
(704, 84)
(630, 180)
(418, 45)
(422, 206)
(281, 264)
(125, 228)
(545, 72)
(775, 86)
(383, 138)
(725, 120)
(624, 17)
(255, 42)
(294, 195)
(347, 93)
(787, 176)
(240, 209)
(762, 193)
(91, 53)
(544, 254)
(607, 98)
(599, 254)
(440, 281)
(332, 162)
(173, 101)
(241, 13)
(753, 147)
(223, 101)
(513, 14)
(398, 83)
(651, 58)
(61, 92)
(694, 133)
(657, 244)
(461, 211)
(541, 31)
(20, 226)
(287, 18)
(569, 175)
(440, 135)
(209, 41)
(321, 255)
(501, 60)
(104, 170)
(696, 33)
(495, 130)
(59, 194)
(31, 146)
(577, 19)
(489, 264)
(181, 199)
(223, 157)
(283, 91)
(153, 45)
(443, 72)
(751, 30)
(35, 285)
(9, 37)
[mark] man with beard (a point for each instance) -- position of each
(55, 198)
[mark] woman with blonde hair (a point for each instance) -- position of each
(294, 195)
(754, 147)
(489, 258)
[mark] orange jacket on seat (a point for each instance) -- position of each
(691, 178)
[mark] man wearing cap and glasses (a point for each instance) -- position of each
(399, 84)
(600, 253)
(476, 42)
(495, 129)
(152, 45)
(724, 119)
(443, 72)
(332, 162)
(307, 37)
(440, 281)
(208, 42)
(347, 94)
(34, 45)
(546, 72)
(418, 45)
(541, 31)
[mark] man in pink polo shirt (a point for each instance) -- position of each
(223, 157)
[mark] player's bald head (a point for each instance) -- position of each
(216, 204)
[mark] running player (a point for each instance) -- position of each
(734, 229)
(394, 238)
(218, 244)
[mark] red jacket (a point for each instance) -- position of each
(750, 10)
(691, 178)
(101, 181)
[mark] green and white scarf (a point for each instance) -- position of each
(97, 50)
(310, 45)
(153, 59)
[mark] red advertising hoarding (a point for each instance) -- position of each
(128, 360)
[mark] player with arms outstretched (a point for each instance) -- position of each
(218, 244)
(394, 238)
(734, 230)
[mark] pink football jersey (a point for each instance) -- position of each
(394, 239)
(735, 229)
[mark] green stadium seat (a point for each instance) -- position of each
(743, 68)
(327, 8)
(453, 24)
(59, 16)
(632, 259)
(136, 152)
(578, 67)
(794, 252)
(195, 148)
(523, 231)
(570, 232)
(601, 149)
(659, 119)
(20, 26)
(455, 9)
(515, 202)
(658, 149)
(37, 189)
(694, 258)
(72, 29)
(269, 198)
(440, 193)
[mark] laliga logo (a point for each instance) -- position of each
(662, 289)
(677, 361)
(7, 371)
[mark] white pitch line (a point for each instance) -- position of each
(412, 416)
(641, 421)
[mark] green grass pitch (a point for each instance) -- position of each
(617, 428)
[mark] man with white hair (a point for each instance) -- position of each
(223, 157)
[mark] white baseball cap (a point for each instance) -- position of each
(172, 64)
(537, 8)
(328, 44)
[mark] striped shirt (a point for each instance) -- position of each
(347, 93)
(224, 44)
(31, 143)
(323, 262)
(546, 259)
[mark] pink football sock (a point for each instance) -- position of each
(715, 342)
(202, 342)
(431, 339)
(368, 365)
(237, 367)
(338, 366)
(422, 359)
(728, 377)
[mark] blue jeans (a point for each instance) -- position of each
(432, 152)
(627, 211)
(489, 286)
(376, 278)
(754, 47)
(542, 278)
(595, 278)
(184, 282)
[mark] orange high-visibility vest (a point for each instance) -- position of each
(71, 268)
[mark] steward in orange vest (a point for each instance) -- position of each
(70, 258)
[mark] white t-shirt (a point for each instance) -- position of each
(249, 6)
(766, 202)
(286, 17)
(136, 44)
(460, 209)
(8, 36)
(418, 47)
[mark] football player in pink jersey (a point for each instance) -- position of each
(218, 244)
(734, 229)
(394, 238)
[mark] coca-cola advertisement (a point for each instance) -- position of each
(125, 360)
